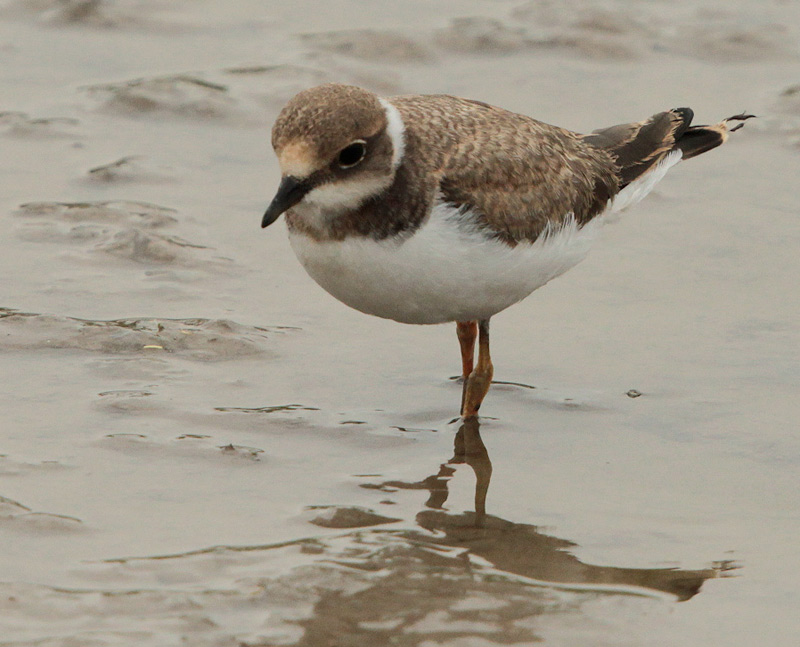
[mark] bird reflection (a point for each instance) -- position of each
(468, 448)
(520, 548)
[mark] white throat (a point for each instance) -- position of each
(337, 197)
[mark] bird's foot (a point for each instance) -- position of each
(475, 389)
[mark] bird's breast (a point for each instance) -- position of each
(448, 269)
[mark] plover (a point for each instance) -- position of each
(428, 209)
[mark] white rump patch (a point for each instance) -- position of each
(445, 271)
(640, 187)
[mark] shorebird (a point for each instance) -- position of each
(429, 209)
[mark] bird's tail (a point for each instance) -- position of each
(696, 140)
(638, 148)
(644, 151)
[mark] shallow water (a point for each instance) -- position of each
(201, 447)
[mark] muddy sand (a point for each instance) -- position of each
(201, 447)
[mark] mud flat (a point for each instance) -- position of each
(198, 446)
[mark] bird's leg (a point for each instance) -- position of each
(467, 332)
(477, 385)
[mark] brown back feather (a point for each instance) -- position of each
(519, 175)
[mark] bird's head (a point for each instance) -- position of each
(337, 146)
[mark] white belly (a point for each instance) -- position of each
(443, 272)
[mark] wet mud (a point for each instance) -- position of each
(198, 446)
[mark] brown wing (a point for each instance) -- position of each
(521, 176)
(517, 174)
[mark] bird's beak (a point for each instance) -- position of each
(290, 192)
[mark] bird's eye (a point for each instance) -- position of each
(351, 155)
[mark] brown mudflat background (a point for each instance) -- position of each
(200, 447)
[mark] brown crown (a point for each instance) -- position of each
(326, 118)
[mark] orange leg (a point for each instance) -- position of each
(480, 379)
(467, 332)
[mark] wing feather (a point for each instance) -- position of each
(517, 176)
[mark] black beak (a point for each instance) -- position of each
(290, 192)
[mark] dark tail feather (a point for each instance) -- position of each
(639, 147)
(699, 139)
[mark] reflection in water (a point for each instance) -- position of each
(518, 548)
(473, 578)
(469, 448)
(450, 580)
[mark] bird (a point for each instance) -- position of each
(429, 209)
